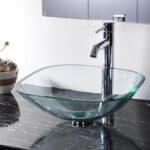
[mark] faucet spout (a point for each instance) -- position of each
(98, 46)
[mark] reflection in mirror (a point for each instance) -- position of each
(136, 10)
(9, 110)
(64, 136)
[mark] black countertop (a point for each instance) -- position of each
(25, 126)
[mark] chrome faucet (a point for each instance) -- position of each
(106, 44)
(107, 79)
(98, 46)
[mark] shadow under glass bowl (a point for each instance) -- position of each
(74, 92)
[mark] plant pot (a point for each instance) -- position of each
(7, 81)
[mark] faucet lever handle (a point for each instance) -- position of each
(101, 29)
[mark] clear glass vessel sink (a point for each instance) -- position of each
(74, 92)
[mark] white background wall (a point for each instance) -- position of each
(38, 41)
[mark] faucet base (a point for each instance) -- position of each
(82, 124)
(108, 120)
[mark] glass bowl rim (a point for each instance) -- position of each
(132, 92)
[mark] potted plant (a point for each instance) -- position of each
(8, 73)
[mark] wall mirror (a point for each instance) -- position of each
(137, 11)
